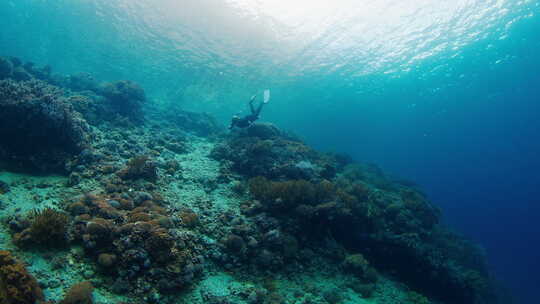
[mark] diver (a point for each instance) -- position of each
(247, 120)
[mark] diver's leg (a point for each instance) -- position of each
(251, 104)
(259, 108)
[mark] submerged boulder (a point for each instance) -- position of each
(126, 98)
(263, 130)
(39, 128)
(6, 68)
(201, 124)
(263, 150)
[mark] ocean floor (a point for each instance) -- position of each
(199, 190)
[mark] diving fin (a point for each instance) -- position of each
(266, 95)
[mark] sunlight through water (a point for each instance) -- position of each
(380, 36)
(298, 37)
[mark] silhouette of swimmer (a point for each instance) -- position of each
(247, 120)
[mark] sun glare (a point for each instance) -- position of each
(353, 36)
(394, 31)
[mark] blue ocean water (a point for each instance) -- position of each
(442, 94)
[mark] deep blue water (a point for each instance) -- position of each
(477, 159)
(446, 94)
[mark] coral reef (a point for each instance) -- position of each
(80, 293)
(17, 286)
(4, 187)
(276, 157)
(46, 227)
(139, 167)
(132, 237)
(175, 210)
(201, 124)
(38, 127)
(398, 225)
(6, 68)
(126, 98)
(81, 82)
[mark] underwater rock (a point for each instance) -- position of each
(275, 158)
(43, 73)
(263, 130)
(359, 266)
(201, 124)
(92, 107)
(81, 82)
(125, 98)
(400, 228)
(20, 74)
(4, 187)
(39, 129)
(16, 61)
(235, 244)
(106, 260)
(6, 68)
(139, 167)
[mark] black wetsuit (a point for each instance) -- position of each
(247, 120)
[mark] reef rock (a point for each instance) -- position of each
(263, 130)
(266, 152)
(126, 99)
(17, 286)
(38, 127)
(6, 68)
(201, 124)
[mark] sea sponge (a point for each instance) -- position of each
(17, 286)
(80, 293)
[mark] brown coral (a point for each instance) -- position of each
(289, 194)
(17, 286)
(189, 218)
(139, 167)
(80, 293)
(160, 244)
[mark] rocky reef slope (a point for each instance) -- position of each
(156, 207)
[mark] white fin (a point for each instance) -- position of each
(266, 95)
